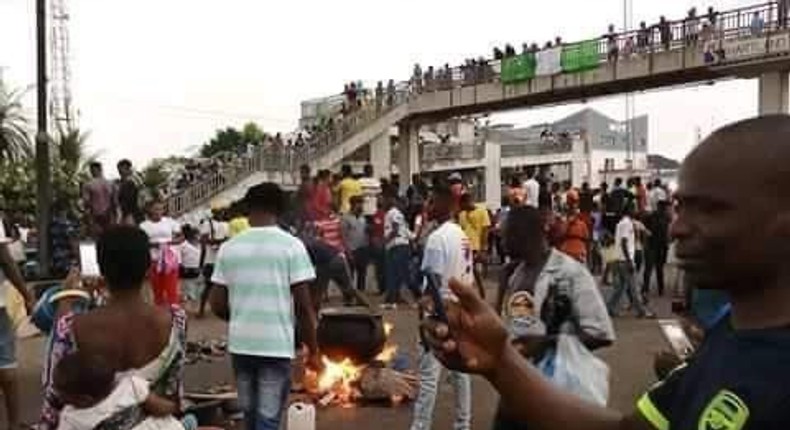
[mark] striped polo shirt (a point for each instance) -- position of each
(259, 266)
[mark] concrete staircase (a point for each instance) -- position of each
(281, 165)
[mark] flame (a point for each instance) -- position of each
(336, 382)
(388, 353)
(337, 379)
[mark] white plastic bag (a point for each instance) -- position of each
(572, 367)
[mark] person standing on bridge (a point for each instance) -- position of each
(665, 32)
(732, 234)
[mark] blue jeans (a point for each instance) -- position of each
(624, 284)
(397, 262)
(263, 384)
(430, 371)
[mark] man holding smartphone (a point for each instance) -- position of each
(447, 255)
(9, 385)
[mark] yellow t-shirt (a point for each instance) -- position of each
(348, 188)
(238, 225)
(474, 223)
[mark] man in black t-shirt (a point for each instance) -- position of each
(732, 233)
(128, 194)
(616, 201)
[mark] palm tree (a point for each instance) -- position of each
(14, 137)
(72, 150)
(70, 171)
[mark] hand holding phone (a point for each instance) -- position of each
(433, 286)
(674, 333)
(89, 261)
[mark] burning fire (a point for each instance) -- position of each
(336, 382)
(389, 349)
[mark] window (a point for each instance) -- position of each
(608, 164)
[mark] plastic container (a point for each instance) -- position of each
(301, 416)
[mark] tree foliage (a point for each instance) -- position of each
(69, 172)
(14, 131)
(231, 140)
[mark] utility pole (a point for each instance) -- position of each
(629, 97)
(43, 173)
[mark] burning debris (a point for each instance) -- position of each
(344, 383)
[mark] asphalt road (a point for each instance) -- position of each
(630, 360)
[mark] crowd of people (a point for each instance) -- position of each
(616, 231)
(693, 29)
(265, 265)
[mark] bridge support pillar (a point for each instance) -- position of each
(493, 175)
(381, 155)
(773, 93)
(408, 153)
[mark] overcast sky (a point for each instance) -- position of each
(154, 78)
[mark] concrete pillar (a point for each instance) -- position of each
(381, 155)
(493, 175)
(408, 153)
(773, 93)
(580, 162)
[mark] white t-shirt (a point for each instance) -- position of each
(657, 194)
(221, 232)
(395, 221)
(371, 188)
(190, 256)
(625, 230)
(160, 233)
(129, 392)
(532, 187)
(448, 254)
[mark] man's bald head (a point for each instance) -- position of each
(732, 225)
(754, 153)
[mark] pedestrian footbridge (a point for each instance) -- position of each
(749, 42)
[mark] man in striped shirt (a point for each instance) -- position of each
(329, 236)
(266, 273)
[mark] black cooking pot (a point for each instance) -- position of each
(356, 333)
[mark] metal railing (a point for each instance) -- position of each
(278, 158)
(522, 149)
(660, 37)
(434, 152)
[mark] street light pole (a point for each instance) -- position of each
(43, 173)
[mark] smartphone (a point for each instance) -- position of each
(433, 282)
(89, 262)
(674, 333)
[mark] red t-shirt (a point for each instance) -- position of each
(322, 201)
(330, 232)
(377, 229)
